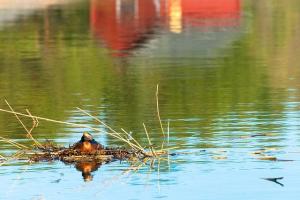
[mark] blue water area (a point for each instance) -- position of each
(228, 94)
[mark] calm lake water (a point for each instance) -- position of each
(229, 84)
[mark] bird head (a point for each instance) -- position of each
(86, 137)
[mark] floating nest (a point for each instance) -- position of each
(87, 161)
(51, 152)
(84, 160)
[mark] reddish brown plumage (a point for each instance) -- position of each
(87, 168)
(87, 144)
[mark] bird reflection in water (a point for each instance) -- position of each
(87, 168)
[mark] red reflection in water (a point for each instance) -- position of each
(210, 13)
(125, 24)
(122, 25)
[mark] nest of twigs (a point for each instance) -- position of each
(51, 152)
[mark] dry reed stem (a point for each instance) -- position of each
(158, 182)
(66, 123)
(3, 157)
(168, 142)
(98, 120)
(136, 168)
(17, 154)
(16, 144)
(9, 142)
(16, 115)
(162, 144)
(125, 173)
(115, 134)
(28, 131)
(158, 166)
(151, 164)
(168, 133)
(35, 123)
(159, 119)
(52, 120)
(150, 144)
(158, 113)
(158, 174)
(111, 129)
(128, 135)
(13, 157)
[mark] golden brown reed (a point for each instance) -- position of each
(137, 149)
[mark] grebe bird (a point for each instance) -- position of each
(87, 144)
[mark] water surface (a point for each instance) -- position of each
(228, 75)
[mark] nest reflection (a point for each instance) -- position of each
(87, 168)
